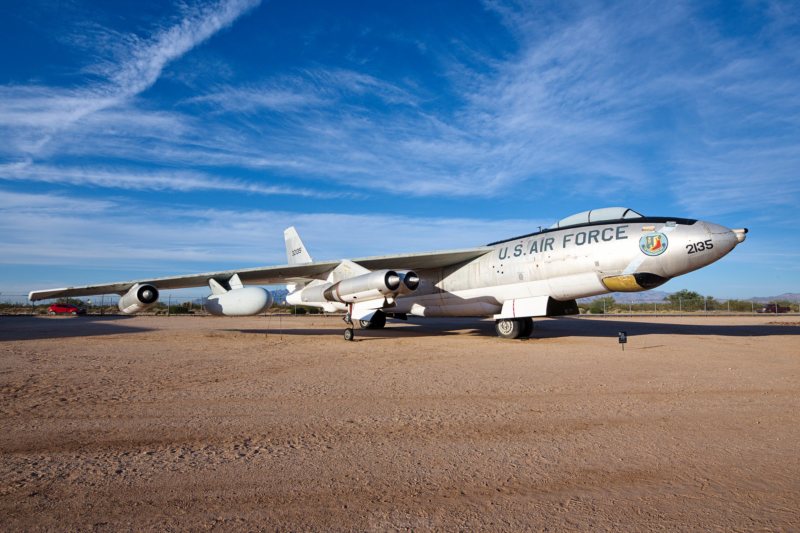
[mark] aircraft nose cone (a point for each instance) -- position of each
(716, 229)
(724, 239)
(691, 247)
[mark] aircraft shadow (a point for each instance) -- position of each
(431, 327)
(20, 328)
(360, 334)
(543, 329)
(578, 327)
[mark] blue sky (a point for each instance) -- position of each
(143, 138)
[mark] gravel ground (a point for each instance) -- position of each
(177, 423)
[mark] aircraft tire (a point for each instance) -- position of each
(508, 328)
(378, 321)
(349, 334)
(527, 327)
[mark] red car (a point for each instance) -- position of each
(65, 309)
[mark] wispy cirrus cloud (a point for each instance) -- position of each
(593, 102)
(16, 202)
(307, 89)
(248, 99)
(33, 114)
(142, 180)
(617, 97)
(58, 229)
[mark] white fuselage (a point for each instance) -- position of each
(565, 264)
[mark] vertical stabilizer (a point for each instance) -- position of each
(296, 253)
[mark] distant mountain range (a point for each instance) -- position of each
(632, 297)
(660, 296)
(279, 296)
(787, 296)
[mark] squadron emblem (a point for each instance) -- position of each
(653, 244)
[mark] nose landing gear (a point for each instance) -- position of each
(378, 321)
(349, 333)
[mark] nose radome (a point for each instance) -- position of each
(716, 229)
(724, 239)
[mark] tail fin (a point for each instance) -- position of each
(296, 253)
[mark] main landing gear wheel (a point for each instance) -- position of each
(514, 328)
(508, 328)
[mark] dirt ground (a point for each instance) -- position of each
(115, 423)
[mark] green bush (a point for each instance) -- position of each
(601, 305)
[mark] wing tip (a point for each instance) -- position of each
(34, 296)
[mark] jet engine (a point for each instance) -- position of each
(370, 286)
(244, 301)
(139, 298)
(410, 281)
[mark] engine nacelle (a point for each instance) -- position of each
(245, 301)
(410, 281)
(139, 298)
(370, 286)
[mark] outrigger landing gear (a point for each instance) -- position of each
(349, 333)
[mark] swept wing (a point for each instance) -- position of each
(272, 274)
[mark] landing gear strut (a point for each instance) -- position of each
(349, 333)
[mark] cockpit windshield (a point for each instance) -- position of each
(597, 215)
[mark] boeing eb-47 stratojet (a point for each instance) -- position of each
(535, 275)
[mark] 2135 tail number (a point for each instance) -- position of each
(698, 247)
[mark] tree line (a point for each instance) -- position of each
(680, 301)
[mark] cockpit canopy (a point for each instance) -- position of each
(597, 215)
